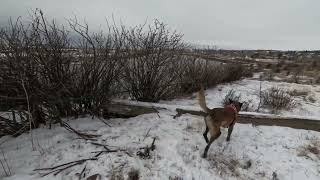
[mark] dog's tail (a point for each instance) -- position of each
(202, 100)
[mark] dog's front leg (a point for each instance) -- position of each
(230, 129)
(205, 134)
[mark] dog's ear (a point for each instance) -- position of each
(240, 105)
(230, 101)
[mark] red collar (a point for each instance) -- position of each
(233, 108)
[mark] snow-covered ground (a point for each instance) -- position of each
(307, 106)
(253, 153)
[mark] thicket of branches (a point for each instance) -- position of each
(46, 74)
(48, 71)
(150, 72)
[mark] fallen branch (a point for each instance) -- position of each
(103, 145)
(57, 169)
(82, 175)
(256, 120)
(107, 150)
(80, 134)
(146, 134)
(183, 111)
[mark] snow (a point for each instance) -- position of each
(179, 145)
(254, 152)
(249, 90)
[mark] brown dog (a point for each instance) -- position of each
(218, 117)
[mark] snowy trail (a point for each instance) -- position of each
(252, 153)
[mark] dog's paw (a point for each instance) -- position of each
(228, 139)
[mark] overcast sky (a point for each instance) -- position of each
(233, 24)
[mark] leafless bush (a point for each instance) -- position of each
(153, 55)
(196, 72)
(46, 71)
(231, 94)
(233, 72)
(277, 99)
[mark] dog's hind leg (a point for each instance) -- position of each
(230, 129)
(212, 138)
(205, 134)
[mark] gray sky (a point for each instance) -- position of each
(238, 24)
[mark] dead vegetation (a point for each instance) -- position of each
(231, 94)
(277, 99)
(225, 165)
(48, 72)
(304, 71)
(310, 149)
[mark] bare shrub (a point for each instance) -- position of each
(231, 94)
(196, 72)
(150, 70)
(233, 72)
(46, 73)
(277, 99)
(192, 72)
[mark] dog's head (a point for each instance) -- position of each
(236, 104)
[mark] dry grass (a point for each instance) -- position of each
(228, 164)
(311, 149)
(277, 99)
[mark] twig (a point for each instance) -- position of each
(29, 112)
(98, 144)
(82, 135)
(55, 167)
(107, 150)
(146, 134)
(58, 169)
(4, 169)
(82, 172)
(100, 119)
(5, 160)
(260, 94)
(104, 122)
